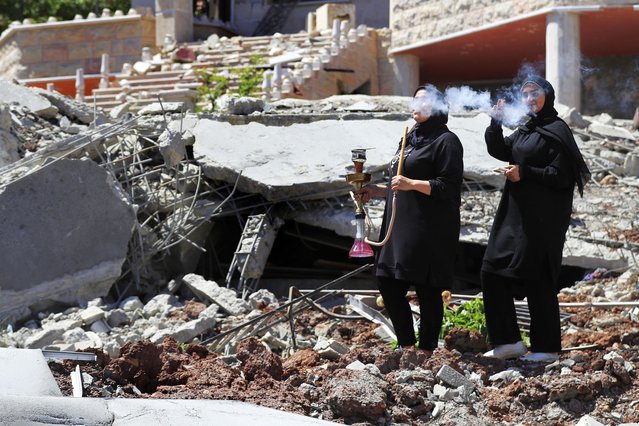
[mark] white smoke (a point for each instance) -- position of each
(427, 103)
(464, 98)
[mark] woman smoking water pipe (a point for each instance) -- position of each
(421, 248)
(524, 252)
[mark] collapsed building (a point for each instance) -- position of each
(119, 212)
(179, 193)
(151, 192)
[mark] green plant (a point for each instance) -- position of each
(469, 315)
(183, 346)
(213, 86)
(250, 77)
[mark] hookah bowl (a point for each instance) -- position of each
(358, 179)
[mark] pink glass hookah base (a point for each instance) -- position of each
(360, 249)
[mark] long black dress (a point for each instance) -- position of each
(422, 245)
(528, 233)
(524, 252)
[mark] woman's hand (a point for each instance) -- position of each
(497, 112)
(371, 190)
(401, 183)
(511, 172)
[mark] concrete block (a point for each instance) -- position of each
(23, 96)
(43, 338)
(210, 291)
(49, 225)
(631, 164)
(91, 315)
(24, 372)
(330, 349)
(453, 378)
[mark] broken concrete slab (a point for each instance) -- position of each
(143, 412)
(24, 372)
(239, 105)
(586, 255)
(305, 159)
(187, 331)
(286, 162)
(51, 220)
(162, 108)
(611, 131)
(211, 291)
(23, 96)
(68, 107)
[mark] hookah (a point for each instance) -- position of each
(362, 245)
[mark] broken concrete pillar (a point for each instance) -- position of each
(563, 57)
(64, 233)
(405, 75)
(326, 14)
(173, 17)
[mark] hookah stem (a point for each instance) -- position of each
(393, 206)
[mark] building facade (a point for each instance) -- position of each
(588, 50)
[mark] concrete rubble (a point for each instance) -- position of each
(308, 143)
(149, 188)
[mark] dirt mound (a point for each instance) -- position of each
(375, 384)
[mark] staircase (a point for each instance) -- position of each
(307, 65)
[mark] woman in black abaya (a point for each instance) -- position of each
(421, 249)
(524, 252)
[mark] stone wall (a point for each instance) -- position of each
(414, 21)
(610, 84)
(59, 48)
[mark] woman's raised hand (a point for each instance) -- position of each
(497, 112)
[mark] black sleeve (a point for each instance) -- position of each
(449, 169)
(499, 147)
(557, 174)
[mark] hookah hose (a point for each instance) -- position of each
(391, 222)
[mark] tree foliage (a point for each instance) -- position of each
(41, 10)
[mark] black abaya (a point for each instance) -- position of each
(423, 242)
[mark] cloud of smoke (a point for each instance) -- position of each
(464, 98)
(428, 102)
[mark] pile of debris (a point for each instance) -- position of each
(344, 370)
(150, 188)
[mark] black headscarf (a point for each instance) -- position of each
(548, 123)
(436, 123)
